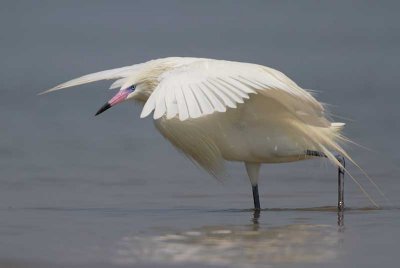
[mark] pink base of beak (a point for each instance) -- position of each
(119, 97)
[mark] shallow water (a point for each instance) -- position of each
(115, 237)
(78, 191)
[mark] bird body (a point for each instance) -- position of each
(259, 131)
(215, 110)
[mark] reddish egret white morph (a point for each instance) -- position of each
(215, 110)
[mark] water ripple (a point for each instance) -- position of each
(234, 246)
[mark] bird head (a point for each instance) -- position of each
(138, 85)
(122, 95)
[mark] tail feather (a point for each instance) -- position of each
(326, 140)
(337, 127)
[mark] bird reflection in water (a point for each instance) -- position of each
(253, 245)
(340, 220)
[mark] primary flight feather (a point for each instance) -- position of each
(215, 110)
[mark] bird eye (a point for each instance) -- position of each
(132, 87)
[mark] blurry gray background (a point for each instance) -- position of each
(57, 159)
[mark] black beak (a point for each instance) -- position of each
(103, 108)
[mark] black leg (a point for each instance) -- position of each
(341, 182)
(256, 198)
(340, 175)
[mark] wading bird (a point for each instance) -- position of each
(215, 110)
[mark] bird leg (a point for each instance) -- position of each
(256, 197)
(253, 171)
(341, 171)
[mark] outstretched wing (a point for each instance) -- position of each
(118, 73)
(204, 87)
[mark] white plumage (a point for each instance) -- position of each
(216, 110)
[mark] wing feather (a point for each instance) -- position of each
(122, 72)
(202, 87)
(226, 91)
(150, 104)
(192, 105)
(235, 90)
(205, 105)
(118, 83)
(182, 108)
(214, 100)
(161, 106)
(220, 94)
(233, 82)
(170, 101)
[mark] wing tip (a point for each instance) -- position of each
(47, 91)
(60, 86)
(145, 113)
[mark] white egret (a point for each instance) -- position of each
(215, 110)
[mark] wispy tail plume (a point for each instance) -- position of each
(326, 140)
